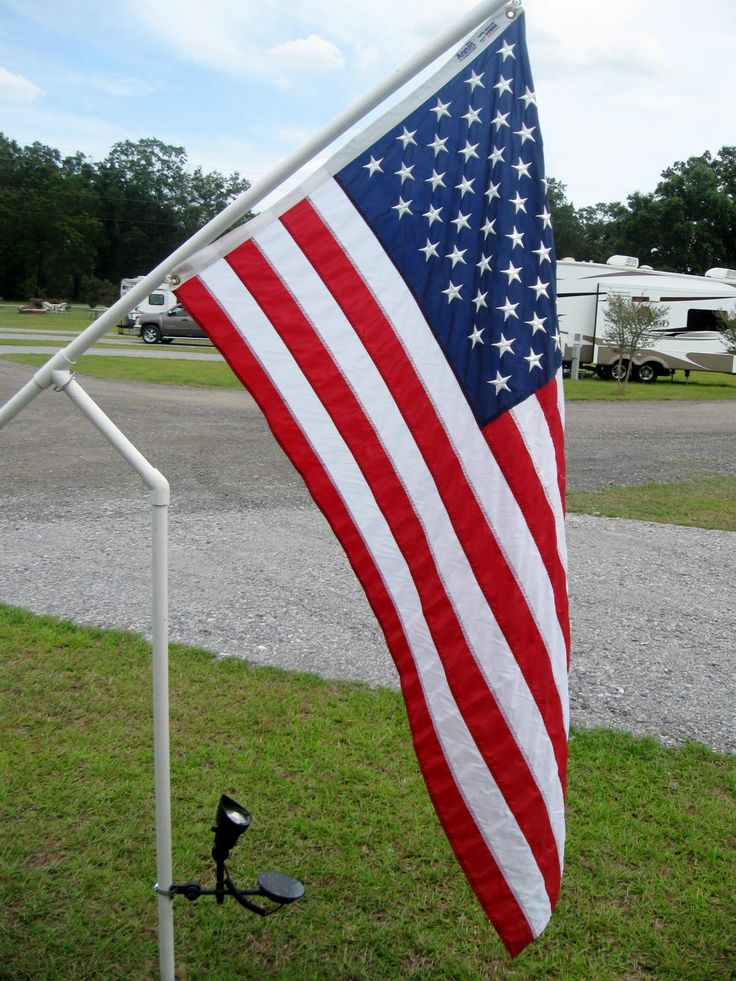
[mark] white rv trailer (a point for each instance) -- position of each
(160, 300)
(691, 341)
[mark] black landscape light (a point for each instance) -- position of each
(231, 820)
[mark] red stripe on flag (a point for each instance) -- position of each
(478, 863)
(487, 560)
(482, 715)
(547, 397)
(509, 449)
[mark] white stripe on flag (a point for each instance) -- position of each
(489, 646)
(532, 425)
(483, 798)
(489, 485)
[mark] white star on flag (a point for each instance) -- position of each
(462, 221)
(429, 250)
(500, 383)
(474, 81)
(472, 116)
(438, 145)
(469, 151)
(512, 272)
(476, 337)
(404, 173)
(436, 180)
(402, 208)
(433, 215)
(525, 133)
(507, 51)
(456, 256)
(441, 109)
(452, 292)
(534, 360)
(518, 202)
(504, 346)
(508, 309)
(372, 166)
(496, 156)
(465, 186)
(517, 238)
(528, 98)
(503, 85)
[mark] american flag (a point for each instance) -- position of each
(395, 320)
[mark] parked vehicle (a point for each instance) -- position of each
(160, 300)
(157, 328)
(691, 341)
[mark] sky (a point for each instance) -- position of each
(624, 90)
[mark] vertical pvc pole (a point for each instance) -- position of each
(164, 873)
(64, 382)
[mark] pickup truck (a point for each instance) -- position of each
(157, 328)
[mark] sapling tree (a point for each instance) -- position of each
(727, 327)
(630, 326)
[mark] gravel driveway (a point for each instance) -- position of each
(255, 571)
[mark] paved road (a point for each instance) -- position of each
(118, 352)
(256, 572)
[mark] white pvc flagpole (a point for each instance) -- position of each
(67, 357)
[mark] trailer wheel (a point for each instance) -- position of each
(618, 371)
(648, 372)
(150, 334)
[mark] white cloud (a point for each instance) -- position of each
(16, 88)
(125, 88)
(242, 37)
(630, 54)
(310, 54)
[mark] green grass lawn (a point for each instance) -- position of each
(702, 501)
(328, 772)
(76, 318)
(701, 385)
(169, 371)
(704, 385)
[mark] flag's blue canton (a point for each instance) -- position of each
(457, 197)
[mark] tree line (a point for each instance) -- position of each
(71, 227)
(687, 224)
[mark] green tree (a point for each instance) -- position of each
(48, 232)
(602, 226)
(568, 229)
(152, 203)
(630, 326)
(688, 223)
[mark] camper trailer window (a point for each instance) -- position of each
(702, 320)
(156, 299)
